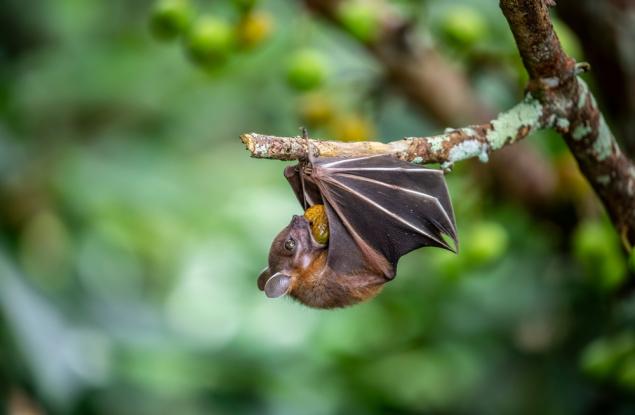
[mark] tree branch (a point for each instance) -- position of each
(452, 146)
(556, 98)
(577, 117)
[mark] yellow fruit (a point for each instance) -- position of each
(254, 29)
(315, 110)
(316, 215)
(353, 128)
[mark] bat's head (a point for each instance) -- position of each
(292, 252)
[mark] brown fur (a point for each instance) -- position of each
(313, 283)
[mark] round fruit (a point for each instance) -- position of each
(591, 241)
(307, 69)
(360, 19)
(352, 128)
(170, 18)
(210, 41)
(597, 248)
(464, 25)
(316, 215)
(599, 358)
(254, 29)
(315, 110)
(487, 241)
(626, 375)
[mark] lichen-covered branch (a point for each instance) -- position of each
(452, 146)
(606, 32)
(554, 82)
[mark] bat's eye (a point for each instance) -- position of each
(289, 244)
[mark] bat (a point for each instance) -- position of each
(378, 208)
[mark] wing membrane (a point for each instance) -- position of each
(379, 208)
(396, 206)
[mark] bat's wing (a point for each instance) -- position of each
(380, 208)
(306, 191)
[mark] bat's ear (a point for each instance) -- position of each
(265, 274)
(278, 285)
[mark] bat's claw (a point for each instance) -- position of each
(447, 167)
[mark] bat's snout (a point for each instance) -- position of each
(299, 222)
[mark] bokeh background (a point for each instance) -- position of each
(133, 225)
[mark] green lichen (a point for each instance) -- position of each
(468, 149)
(563, 123)
(584, 93)
(436, 143)
(581, 131)
(418, 160)
(505, 127)
(603, 145)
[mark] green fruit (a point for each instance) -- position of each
(597, 248)
(591, 241)
(599, 359)
(360, 19)
(210, 41)
(487, 241)
(606, 356)
(170, 18)
(307, 69)
(626, 375)
(464, 25)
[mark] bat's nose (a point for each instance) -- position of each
(298, 221)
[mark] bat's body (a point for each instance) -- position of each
(378, 208)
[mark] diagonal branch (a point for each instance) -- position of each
(553, 80)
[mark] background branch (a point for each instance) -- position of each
(433, 84)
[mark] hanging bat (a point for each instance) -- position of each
(378, 208)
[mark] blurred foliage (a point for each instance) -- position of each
(133, 225)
